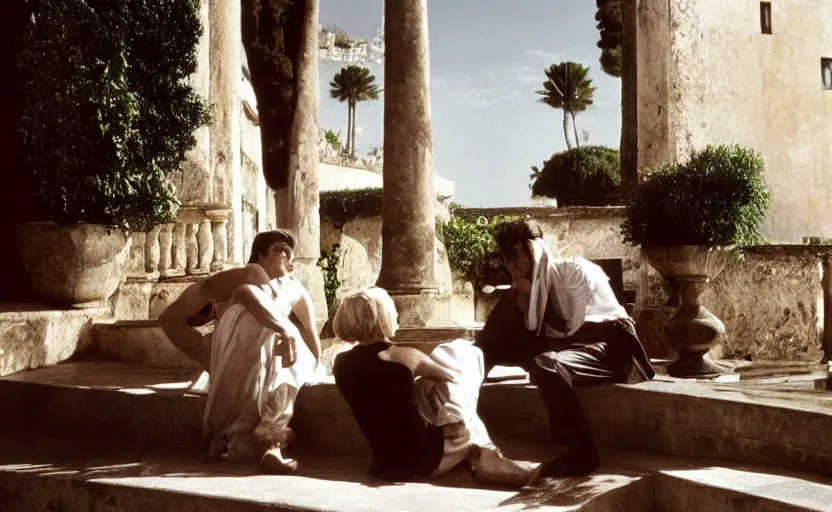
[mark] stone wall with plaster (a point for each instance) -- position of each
(707, 74)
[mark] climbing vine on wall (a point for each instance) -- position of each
(329, 265)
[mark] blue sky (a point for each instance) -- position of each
(486, 60)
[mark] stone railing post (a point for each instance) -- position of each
(165, 249)
(219, 231)
(205, 239)
(151, 253)
(191, 248)
(179, 249)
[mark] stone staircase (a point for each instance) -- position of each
(103, 435)
(114, 429)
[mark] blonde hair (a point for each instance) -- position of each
(365, 316)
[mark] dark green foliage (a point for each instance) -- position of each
(329, 266)
(344, 205)
(472, 251)
(717, 198)
(611, 28)
(587, 176)
(107, 114)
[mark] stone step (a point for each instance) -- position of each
(142, 342)
(35, 335)
(734, 422)
(39, 474)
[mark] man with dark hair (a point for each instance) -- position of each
(255, 362)
(562, 323)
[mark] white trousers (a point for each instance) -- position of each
(453, 405)
(251, 397)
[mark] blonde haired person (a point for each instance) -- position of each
(264, 347)
(417, 412)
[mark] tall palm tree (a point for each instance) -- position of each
(353, 84)
(568, 88)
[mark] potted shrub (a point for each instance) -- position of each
(107, 116)
(689, 218)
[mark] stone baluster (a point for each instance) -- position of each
(192, 249)
(165, 249)
(205, 239)
(219, 231)
(179, 248)
(151, 253)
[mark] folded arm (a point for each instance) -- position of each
(304, 312)
(174, 320)
(419, 364)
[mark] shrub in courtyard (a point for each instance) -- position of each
(472, 252)
(587, 176)
(107, 110)
(717, 198)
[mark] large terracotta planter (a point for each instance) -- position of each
(78, 265)
(693, 329)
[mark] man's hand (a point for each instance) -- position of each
(287, 349)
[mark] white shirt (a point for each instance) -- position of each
(580, 292)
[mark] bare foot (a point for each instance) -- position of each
(492, 466)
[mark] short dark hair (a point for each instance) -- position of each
(263, 241)
(513, 233)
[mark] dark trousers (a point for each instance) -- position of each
(596, 353)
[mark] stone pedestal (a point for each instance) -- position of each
(427, 308)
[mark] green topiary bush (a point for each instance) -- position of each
(717, 198)
(107, 110)
(344, 205)
(587, 176)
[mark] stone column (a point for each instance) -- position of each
(194, 183)
(656, 144)
(408, 224)
(629, 98)
(297, 205)
(226, 70)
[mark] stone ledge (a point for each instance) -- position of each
(40, 475)
(574, 212)
(35, 335)
(126, 404)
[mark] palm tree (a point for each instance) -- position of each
(568, 88)
(353, 84)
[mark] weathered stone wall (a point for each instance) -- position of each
(771, 302)
(708, 75)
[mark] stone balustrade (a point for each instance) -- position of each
(195, 244)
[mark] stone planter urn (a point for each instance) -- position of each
(78, 265)
(692, 330)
